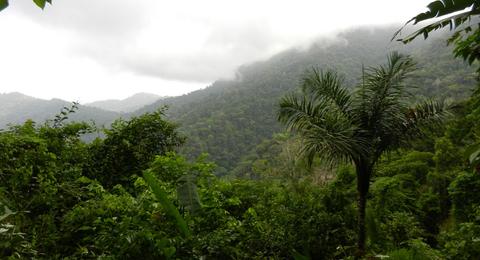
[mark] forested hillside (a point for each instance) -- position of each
(229, 118)
(129, 104)
(130, 196)
(16, 108)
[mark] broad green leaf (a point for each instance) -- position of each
(167, 205)
(472, 152)
(7, 212)
(3, 4)
(474, 157)
(298, 256)
(40, 3)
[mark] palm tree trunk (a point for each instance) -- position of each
(363, 183)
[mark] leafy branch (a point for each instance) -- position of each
(40, 3)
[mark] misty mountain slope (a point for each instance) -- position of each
(230, 118)
(129, 104)
(16, 108)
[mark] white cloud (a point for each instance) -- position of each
(92, 49)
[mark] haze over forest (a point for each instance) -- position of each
(239, 130)
(167, 49)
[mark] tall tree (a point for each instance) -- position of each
(339, 126)
(130, 146)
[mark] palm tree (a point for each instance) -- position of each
(339, 126)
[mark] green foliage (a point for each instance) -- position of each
(338, 126)
(57, 207)
(274, 158)
(341, 127)
(415, 250)
(473, 155)
(415, 163)
(12, 242)
(115, 225)
(39, 166)
(457, 15)
(401, 227)
(391, 194)
(130, 146)
(162, 196)
(3, 4)
(188, 195)
(465, 193)
(463, 242)
(258, 219)
(452, 14)
(41, 3)
(62, 198)
(446, 154)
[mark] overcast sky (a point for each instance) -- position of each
(86, 50)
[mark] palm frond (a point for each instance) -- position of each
(413, 123)
(327, 86)
(333, 143)
(386, 81)
(427, 114)
(381, 99)
(325, 130)
(457, 12)
(300, 112)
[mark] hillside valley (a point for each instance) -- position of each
(229, 118)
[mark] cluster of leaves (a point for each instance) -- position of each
(43, 173)
(130, 146)
(460, 17)
(177, 209)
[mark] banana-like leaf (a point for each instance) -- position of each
(3, 4)
(167, 205)
(473, 154)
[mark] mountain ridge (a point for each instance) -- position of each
(228, 118)
(129, 104)
(16, 108)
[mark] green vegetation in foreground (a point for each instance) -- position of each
(63, 198)
(340, 127)
(131, 196)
